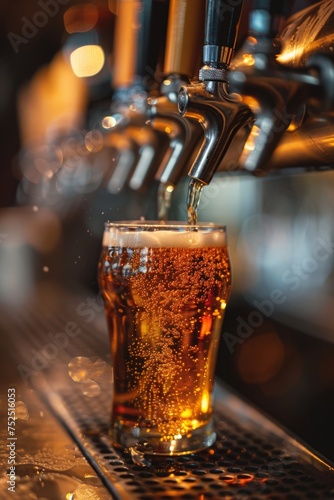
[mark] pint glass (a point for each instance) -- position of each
(165, 288)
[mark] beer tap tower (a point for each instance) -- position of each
(249, 111)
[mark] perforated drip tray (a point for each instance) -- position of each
(251, 459)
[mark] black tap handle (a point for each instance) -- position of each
(221, 30)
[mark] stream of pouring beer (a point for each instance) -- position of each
(193, 198)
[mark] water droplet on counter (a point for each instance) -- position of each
(90, 388)
(90, 374)
(79, 369)
(21, 412)
(100, 370)
(83, 492)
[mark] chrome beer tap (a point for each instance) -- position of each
(289, 89)
(140, 148)
(183, 139)
(222, 116)
(183, 44)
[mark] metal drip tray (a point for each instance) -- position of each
(253, 458)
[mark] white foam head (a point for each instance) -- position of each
(162, 238)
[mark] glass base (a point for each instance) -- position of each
(151, 443)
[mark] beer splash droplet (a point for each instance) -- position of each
(138, 456)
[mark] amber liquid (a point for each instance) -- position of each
(193, 198)
(165, 308)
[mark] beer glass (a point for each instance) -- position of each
(165, 288)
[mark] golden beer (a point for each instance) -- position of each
(165, 288)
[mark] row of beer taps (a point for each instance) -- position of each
(245, 111)
(264, 107)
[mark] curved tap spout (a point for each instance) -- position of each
(117, 159)
(221, 117)
(128, 124)
(184, 136)
(152, 145)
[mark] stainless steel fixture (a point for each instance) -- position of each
(129, 108)
(181, 56)
(287, 82)
(209, 102)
